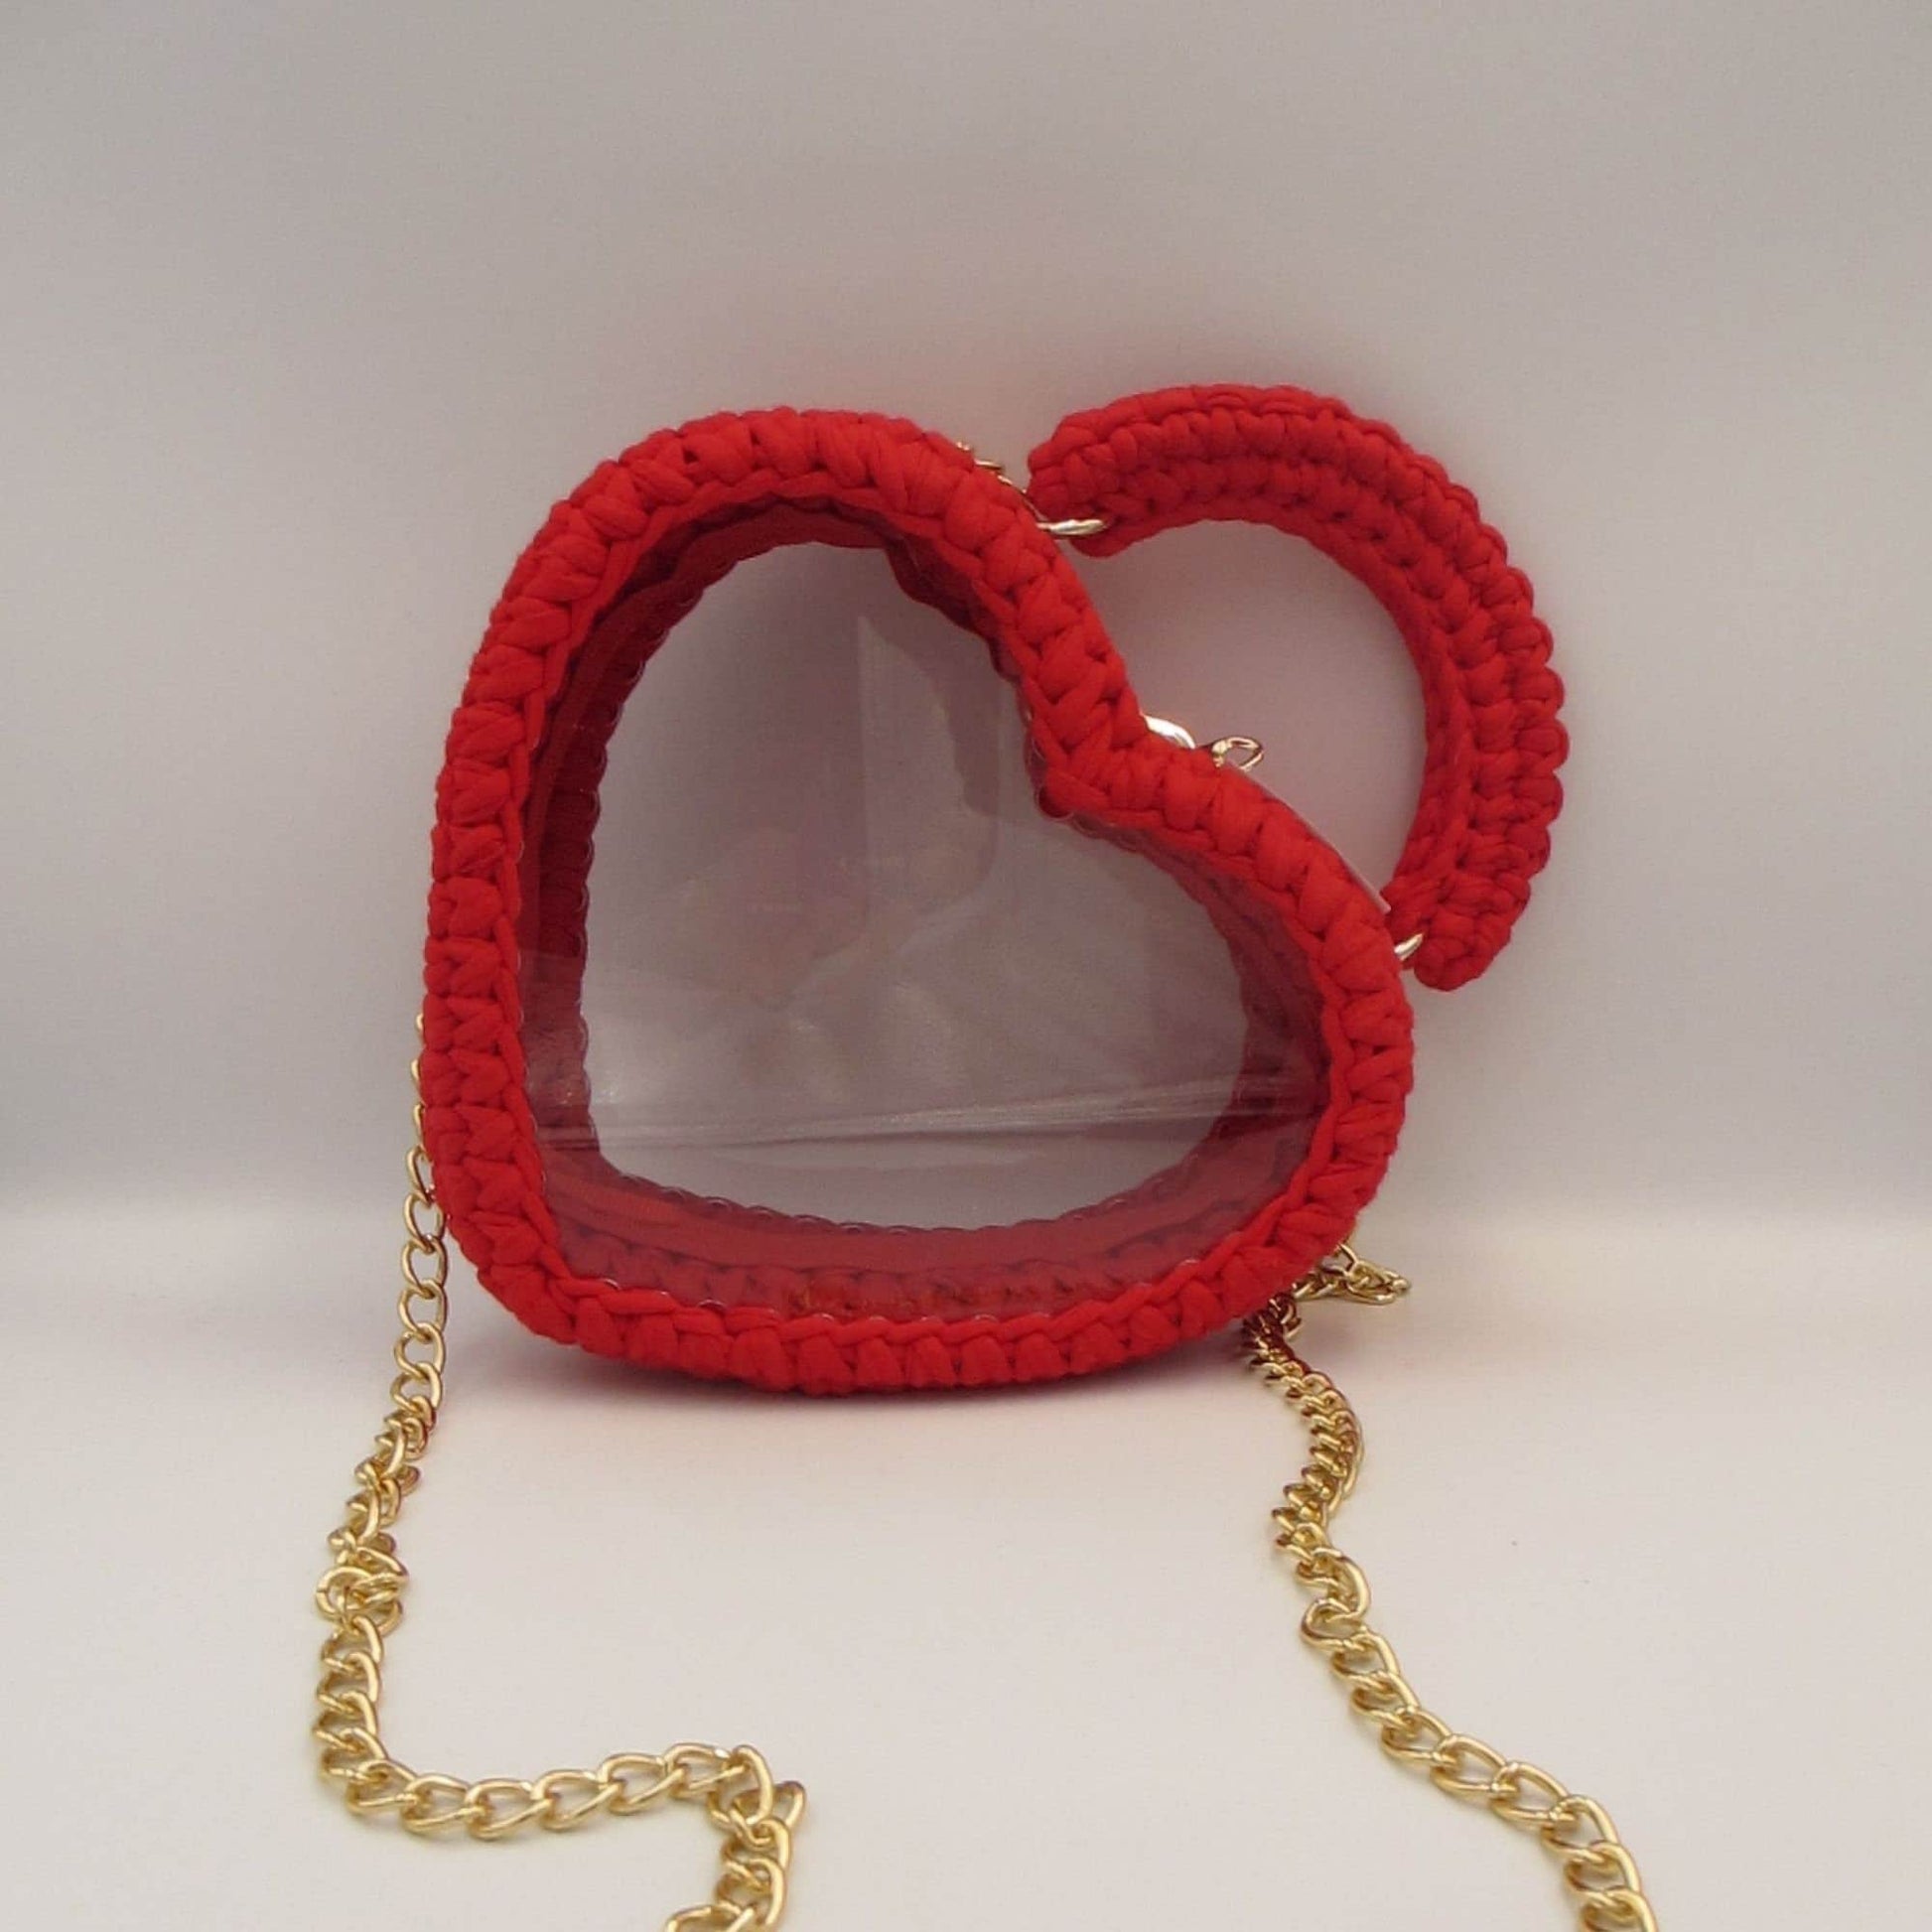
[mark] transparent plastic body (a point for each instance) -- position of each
(821, 1010)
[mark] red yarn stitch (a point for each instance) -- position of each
(1356, 490)
(1096, 761)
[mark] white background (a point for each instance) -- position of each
(310, 314)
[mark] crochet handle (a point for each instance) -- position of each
(1305, 465)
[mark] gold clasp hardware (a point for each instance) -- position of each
(1242, 752)
(1062, 527)
(1344, 1275)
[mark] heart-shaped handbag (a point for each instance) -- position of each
(1242, 1225)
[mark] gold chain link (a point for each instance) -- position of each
(361, 1597)
(1600, 1875)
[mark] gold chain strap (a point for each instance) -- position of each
(1600, 1875)
(361, 1597)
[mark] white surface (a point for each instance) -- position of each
(1032, 1652)
(310, 314)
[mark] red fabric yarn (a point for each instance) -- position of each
(1356, 491)
(970, 542)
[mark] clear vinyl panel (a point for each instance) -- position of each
(837, 1018)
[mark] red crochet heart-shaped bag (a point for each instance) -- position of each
(582, 1249)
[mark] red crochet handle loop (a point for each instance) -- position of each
(720, 1290)
(1305, 465)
